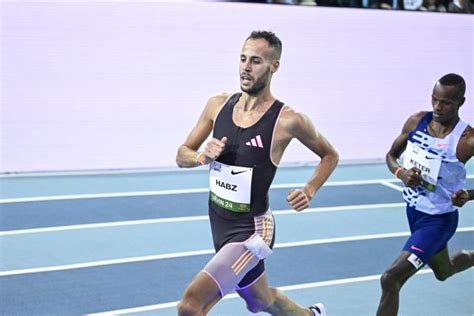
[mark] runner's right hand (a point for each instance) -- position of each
(214, 148)
(411, 178)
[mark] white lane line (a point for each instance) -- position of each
(339, 208)
(205, 252)
(391, 185)
(100, 195)
(107, 262)
(184, 191)
(287, 288)
(106, 172)
(190, 218)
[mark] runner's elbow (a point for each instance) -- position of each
(333, 157)
(180, 161)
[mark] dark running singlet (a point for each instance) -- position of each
(247, 147)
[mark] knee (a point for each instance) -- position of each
(442, 276)
(258, 305)
(389, 281)
(443, 272)
(188, 307)
(459, 261)
(468, 257)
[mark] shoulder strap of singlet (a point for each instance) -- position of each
(232, 99)
(230, 102)
(425, 120)
(459, 128)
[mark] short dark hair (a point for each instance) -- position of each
(273, 40)
(454, 80)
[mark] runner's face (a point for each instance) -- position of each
(255, 66)
(445, 102)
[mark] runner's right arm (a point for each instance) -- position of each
(188, 155)
(412, 177)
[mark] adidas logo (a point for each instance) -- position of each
(255, 142)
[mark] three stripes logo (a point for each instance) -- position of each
(255, 142)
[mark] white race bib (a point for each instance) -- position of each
(230, 186)
(428, 163)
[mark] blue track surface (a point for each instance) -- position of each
(85, 211)
(39, 245)
(145, 283)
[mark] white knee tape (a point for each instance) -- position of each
(258, 247)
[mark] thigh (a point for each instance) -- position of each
(229, 266)
(238, 262)
(431, 234)
(265, 227)
(404, 267)
(440, 262)
(252, 276)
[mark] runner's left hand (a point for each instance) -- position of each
(298, 199)
(459, 198)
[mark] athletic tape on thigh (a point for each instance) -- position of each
(264, 226)
(232, 262)
(230, 265)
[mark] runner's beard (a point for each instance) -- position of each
(258, 86)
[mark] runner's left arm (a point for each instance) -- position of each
(303, 129)
(465, 153)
